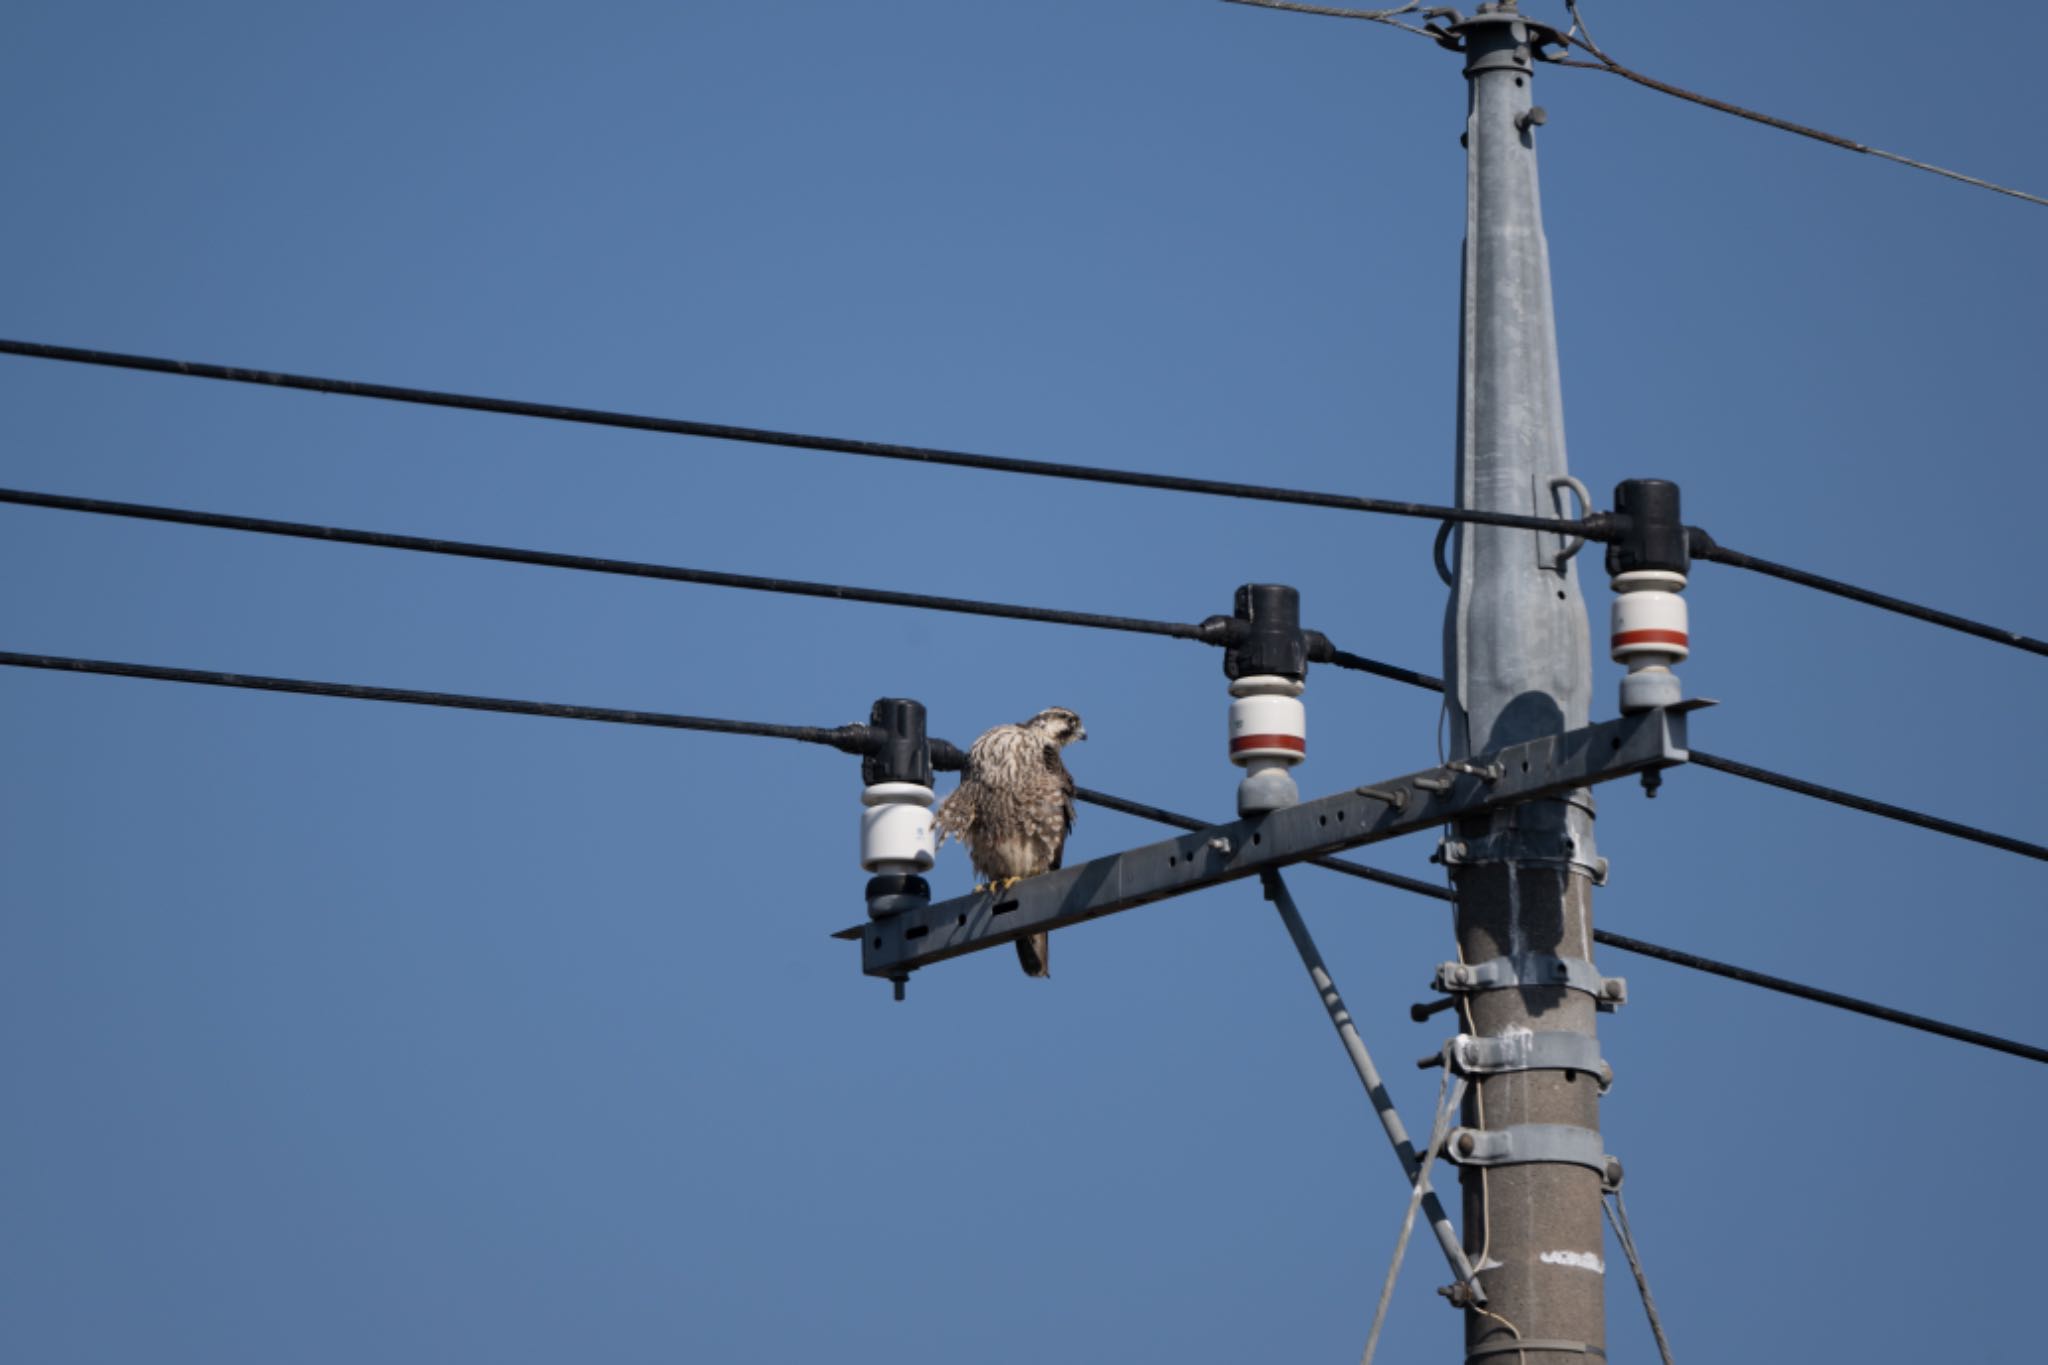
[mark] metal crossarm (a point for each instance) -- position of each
(1546, 767)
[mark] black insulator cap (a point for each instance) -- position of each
(1273, 641)
(1652, 533)
(900, 753)
(894, 893)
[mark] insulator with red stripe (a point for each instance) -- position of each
(1266, 663)
(1268, 735)
(1649, 635)
(1647, 562)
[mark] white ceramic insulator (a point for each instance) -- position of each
(1648, 623)
(896, 827)
(1268, 723)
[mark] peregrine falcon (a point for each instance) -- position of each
(1014, 808)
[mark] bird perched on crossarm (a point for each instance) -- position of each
(1014, 808)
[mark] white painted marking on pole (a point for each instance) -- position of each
(1581, 1260)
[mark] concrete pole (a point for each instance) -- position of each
(1517, 664)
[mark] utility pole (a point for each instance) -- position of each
(1517, 663)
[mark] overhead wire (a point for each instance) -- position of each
(1602, 62)
(1704, 547)
(857, 738)
(1378, 16)
(1213, 631)
(1216, 630)
(675, 426)
(847, 738)
(1832, 999)
(1836, 796)
(1579, 37)
(1599, 527)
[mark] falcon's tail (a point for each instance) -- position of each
(1034, 952)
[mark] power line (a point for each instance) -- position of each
(847, 738)
(1864, 803)
(1216, 630)
(1413, 677)
(947, 757)
(1704, 547)
(1821, 997)
(1603, 62)
(1597, 527)
(1377, 16)
(675, 426)
(1582, 40)
(591, 563)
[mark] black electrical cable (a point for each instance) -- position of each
(1215, 631)
(847, 738)
(1130, 478)
(1625, 943)
(1584, 41)
(1345, 659)
(1864, 803)
(1705, 548)
(946, 757)
(1598, 527)
(1821, 997)
(1580, 39)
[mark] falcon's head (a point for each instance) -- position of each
(1057, 724)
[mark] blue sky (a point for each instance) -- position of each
(333, 1031)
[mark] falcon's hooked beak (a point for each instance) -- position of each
(1081, 733)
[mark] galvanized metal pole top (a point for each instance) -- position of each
(1500, 38)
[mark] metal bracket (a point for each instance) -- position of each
(1523, 1050)
(1528, 1144)
(1533, 970)
(1526, 847)
(1542, 769)
(1548, 555)
(1524, 1344)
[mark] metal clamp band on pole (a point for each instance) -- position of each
(1534, 970)
(1562, 1050)
(1528, 1144)
(1501, 1348)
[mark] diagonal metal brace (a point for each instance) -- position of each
(1541, 768)
(1412, 1166)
